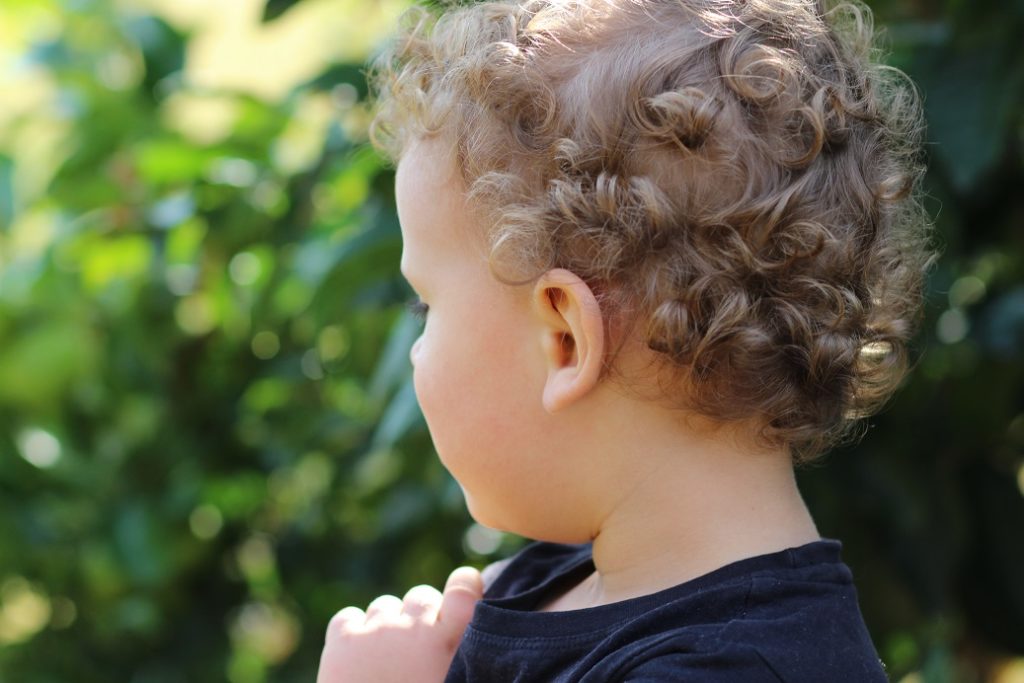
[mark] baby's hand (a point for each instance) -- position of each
(398, 641)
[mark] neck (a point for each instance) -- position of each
(694, 504)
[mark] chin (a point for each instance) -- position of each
(490, 518)
(533, 531)
(480, 515)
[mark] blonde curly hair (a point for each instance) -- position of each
(739, 180)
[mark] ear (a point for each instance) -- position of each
(573, 336)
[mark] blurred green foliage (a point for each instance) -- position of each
(208, 436)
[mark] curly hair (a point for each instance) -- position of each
(737, 179)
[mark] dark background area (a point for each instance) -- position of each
(208, 437)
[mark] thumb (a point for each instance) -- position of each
(461, 591)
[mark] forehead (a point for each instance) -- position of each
(430, 197)
(426, 168)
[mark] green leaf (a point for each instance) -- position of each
(971, 98)
(171, 161)
(400, 417)
(275, 8)
(140, 549)
(38, 365)
(394, 365)
(6, 192)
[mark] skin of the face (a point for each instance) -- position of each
(480, 368)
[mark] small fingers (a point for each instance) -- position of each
(465, 580)
(461, 592)
(384, 606)
(346, 620)
(421, 601)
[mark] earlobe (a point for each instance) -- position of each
(573, 337)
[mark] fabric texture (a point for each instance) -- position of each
(789, 616)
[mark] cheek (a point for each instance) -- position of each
(449, 381)
(437, 380)
(473, 389)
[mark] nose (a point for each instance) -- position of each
(415, 350)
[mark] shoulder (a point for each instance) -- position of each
(728, 654)
(789, 617)
(739, 663)
(809, 623)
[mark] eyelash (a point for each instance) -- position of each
(417, 308)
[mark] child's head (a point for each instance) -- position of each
(736, 181)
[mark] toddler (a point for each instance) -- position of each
(665, 250)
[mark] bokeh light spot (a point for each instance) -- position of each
(482, 540)
(39, 447)
(332, 343)
(965, 291)
(24, 611)
(195, 314)
(245, 268)
(180, 279)
(311, 366)
(952, 326)
(205, 521)
(235, 172)
(265, 345)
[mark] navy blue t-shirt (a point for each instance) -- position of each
(788, 616)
